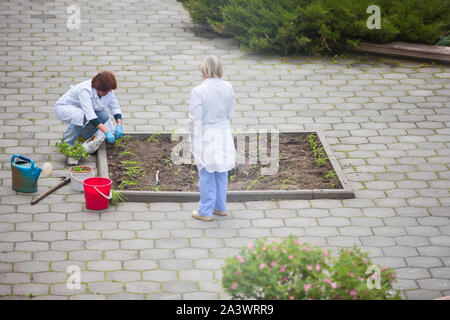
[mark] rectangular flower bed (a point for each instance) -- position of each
(157, 167)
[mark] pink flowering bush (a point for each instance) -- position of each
(294, 270)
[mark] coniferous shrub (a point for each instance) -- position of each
(312, 26)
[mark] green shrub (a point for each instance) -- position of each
(292, 270)
(312, 26)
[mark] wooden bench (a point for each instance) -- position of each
(407, 50)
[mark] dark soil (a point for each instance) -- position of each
(133, 164)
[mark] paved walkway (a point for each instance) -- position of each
(387, 122)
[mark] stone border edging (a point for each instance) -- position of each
(406, 50)
(234, 195)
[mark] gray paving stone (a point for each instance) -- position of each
(400, 251)
(121, 255)
(180, 286)
(14, 278)
(377, 241)
(106, 287)
(136, 244)
(440, 240)
(104, 265)
(176, 264)
(209, 263)
(156, 254)
(413, 241)
(412, 273)
(210, 286)
(405, 284)
(200, 296)
(390, 262)
(121, 276)
(191, 253)
(124, 296)
(434, 251)
(355, 231)
(441, 273)
(60, 289)
(196, 275)
(31, 266)
(421, 294)
(434, 284)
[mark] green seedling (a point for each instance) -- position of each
(134, 171)
(79, 169)
(127, 153)
(285, 181)
(157, 188)
(153, 137)
(318, 151)
(232, 177)
(168, 161)
(332, 175)
(117, 198)
(254, 182)
(120, 143)
(127, 182)
(130, 162)
(76, 151)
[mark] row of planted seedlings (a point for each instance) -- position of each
(321, 159)
(133, 170)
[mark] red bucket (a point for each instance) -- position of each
(97, 192)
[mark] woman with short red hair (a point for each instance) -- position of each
(83, 107)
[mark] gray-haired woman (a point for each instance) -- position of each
(210, 111)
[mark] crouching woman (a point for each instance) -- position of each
(83, 107)
(211, 142)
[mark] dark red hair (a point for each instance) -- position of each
(104, 81)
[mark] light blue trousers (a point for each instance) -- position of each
(73, 131)
(213, 192)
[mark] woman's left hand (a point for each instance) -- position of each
(118, 132)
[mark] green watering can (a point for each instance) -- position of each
(25, 174)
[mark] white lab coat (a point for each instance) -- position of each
(78, 105)
(210, 110)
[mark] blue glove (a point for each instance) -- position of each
(118, 132)
(110, 137)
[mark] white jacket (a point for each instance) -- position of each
(84, 97)
(210, 110)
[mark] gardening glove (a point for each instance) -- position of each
(118, 132)
(110, 137)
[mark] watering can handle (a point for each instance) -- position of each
(107, 197)
(23, 158)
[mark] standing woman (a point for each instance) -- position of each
(83, 108)
(211, 142)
